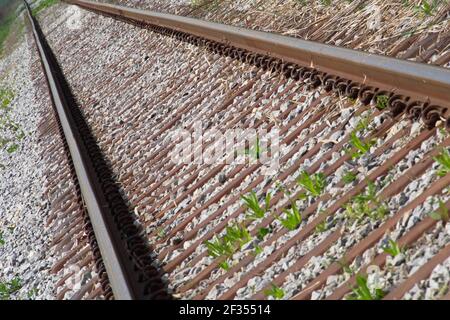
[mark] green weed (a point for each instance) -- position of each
(293, 217)
(444, 161)
(43, 5)
(262, 232)
(366, 204)
(427, 8)
(360, 146)
(382, 102)
(252, 204)
(348, 177)
(392, 248)
(275, 292)
(225, 265)
(235, 237)
(441, 214)
(8, 288)
(12, 148)
(258, 250)
(218, 248)
(321, 227)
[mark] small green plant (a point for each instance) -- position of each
(362, 292)
(361, 146)
(321, 227)
(348, 177)
(255, 210)
(235, 237)
(345, 266)
(441, 214)
(255, 151)
(6, 96)
(363, 124)
(8, 288)
(43, 5)
(225, 265)
(382, 102)
(392, 248)
(274, 292)
(443, 158)
(2, 241)
(218, 248)
(443, 132)
(12, 148)
(207, 4)
(282, 188)
(258, 250)
(293, 217)
(426, 7)
(160, 232)
(366, 204)
(32, 293)
(314, 184)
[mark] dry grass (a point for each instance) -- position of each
(378, 26)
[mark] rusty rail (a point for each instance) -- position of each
(350, 72)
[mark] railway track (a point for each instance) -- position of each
(116, 251)
(368, 127)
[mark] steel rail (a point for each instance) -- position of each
(121, 280)
(427, 83)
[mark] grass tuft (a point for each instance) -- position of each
(314, 184)
(348, 177)
(443, 158)
(6, 97)
(275, 292)
(441, 214)
(235, 237)
(361, 146)
(362, 292)
(255, 211)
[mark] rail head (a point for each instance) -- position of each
(415, 80)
